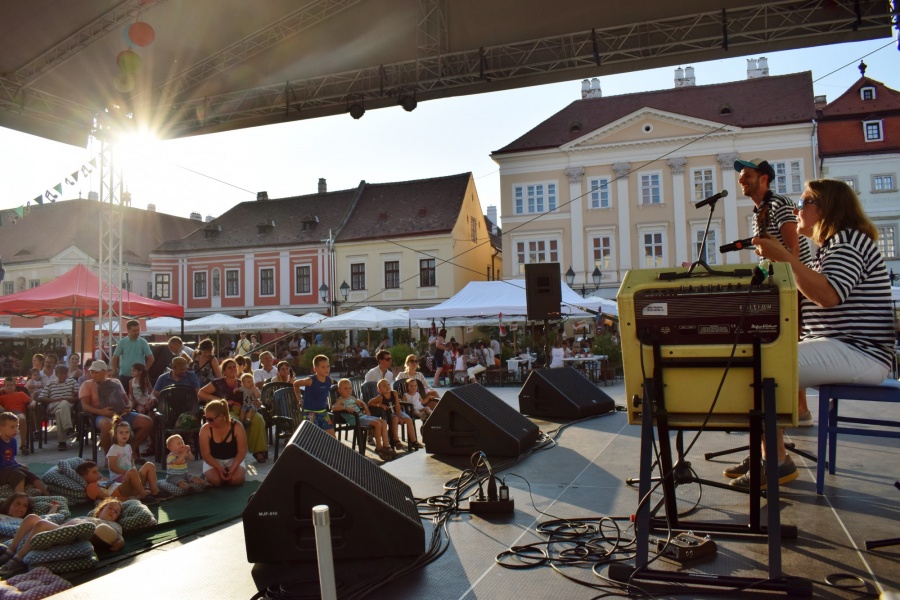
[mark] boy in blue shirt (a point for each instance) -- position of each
(315, 396)
(13, 473)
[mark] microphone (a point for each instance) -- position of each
(711, 199)
(744, 244)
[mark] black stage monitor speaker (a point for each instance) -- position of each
(562, 393)
(543, 291)
(470, 418)
(366, 504)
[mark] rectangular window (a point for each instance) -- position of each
(9, 287)
(358, 276)
(710, 254)
(703, 184)
(887, 240)
(654, 247)
(163, 285)
(872, 130)
(535, 197)
(391, 274)
(33, 283)
(651, 190)
(302, 280)
(267, 282)
(868, 93)
(851, 181)
(536, 251)
(599, 192)
(199, 284)
(427, 272)
(602, 248)
(882, 183)
(788, 177)
(232, 283)
(474, 229)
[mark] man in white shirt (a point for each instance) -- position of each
(266, 370)
(495, 346)
(382, 370)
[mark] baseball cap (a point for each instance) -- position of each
(755, 163)
(98, 365)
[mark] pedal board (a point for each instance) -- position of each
(686, 547)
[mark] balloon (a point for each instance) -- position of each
(126, 39)
(128, 61)
(124, 82)
(141, 33)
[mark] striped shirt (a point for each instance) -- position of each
(853, 265)
(57, 390)
(780, 211)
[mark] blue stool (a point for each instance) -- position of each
(829, 395)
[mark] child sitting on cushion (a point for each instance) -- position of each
(108, 533)
(177, 464)
(13, 473)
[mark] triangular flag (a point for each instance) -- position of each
(39, 200)
(58, 188)
(72, 179)
(93, 162)
(20, 211)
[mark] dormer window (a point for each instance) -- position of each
(873, 131)
(867, 93)
(309, 222)
(265, 226)
(211, 230)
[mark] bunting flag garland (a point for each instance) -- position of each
(51, 194)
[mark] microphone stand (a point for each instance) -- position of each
(701, 262)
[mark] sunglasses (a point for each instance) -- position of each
(802, 202)
(211, 419)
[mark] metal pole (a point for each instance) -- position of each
(322, 524)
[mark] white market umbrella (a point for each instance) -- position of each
(217, 323)
(367, 317)
(60, 329)
(607, 306)
(276, 320)
(163, 326)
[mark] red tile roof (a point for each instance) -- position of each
(753, 103)
(845, 137)
(851, 103)
(51, 228)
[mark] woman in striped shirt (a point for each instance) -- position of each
(847, 333)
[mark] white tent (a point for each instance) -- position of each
(60, 329)
(367, 317)
(217, 323)
(489, 299)
(163, 326)
(276, 320)
(607, 306)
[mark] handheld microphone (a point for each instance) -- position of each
(744, 244)
(711, 199)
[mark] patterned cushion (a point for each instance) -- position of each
(62, 480)
(42, 506)
(62, 536)
(74, 551)
(75, 564)
(39, 582)
(134, 516)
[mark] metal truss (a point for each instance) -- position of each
(300, 20)
(44, 107)
(634, 43)
(112, 19)
(431, 37)
(110, 258)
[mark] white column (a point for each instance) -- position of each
(286, 280)
(576, 214)
(682, 243)
(185, 284)
(623, 207)
(249, 280)
(729, 206)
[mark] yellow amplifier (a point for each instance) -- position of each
(698, 318)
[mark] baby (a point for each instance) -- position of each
(412, 396)
(176, 464)
(35, 384)
(251, 398)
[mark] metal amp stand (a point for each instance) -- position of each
(762, 418)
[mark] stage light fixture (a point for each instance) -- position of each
(408, 103)
(357, 110)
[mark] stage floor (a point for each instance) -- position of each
(583, 476)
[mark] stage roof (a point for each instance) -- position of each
(217, 65)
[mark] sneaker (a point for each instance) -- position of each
(735, 471)
(13, 566)
(62, 446)
(70, 432)
(786, 472)
(150, 500)
(805, 420)
(163, 494)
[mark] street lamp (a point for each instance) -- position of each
(570, 277)
(596, 277)
(323, 293)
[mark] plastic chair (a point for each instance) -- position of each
(343, 426)
(286, 416)
(267, 397)
(175, 401)
(85, 430)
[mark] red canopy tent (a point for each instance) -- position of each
(76, 294)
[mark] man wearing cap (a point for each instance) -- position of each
(91, 403)
(774, 218)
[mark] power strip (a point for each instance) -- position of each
(492, 507)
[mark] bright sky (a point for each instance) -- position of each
(441, 137)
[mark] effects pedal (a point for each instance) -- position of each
(686, 547)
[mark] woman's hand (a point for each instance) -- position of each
(772, 249)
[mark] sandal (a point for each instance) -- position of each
(415, 445)
(12, 566)
(398, 445)
(384, 453)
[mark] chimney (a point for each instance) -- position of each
(757, 67)
(763, 66)
(679, 77)
(492, 216)
(260, 196)
(685, 77)
(195, 216)
(151, 207)
(820, 101)
(93, 196)
(323, 187)
(208, 219)
(591, 89)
